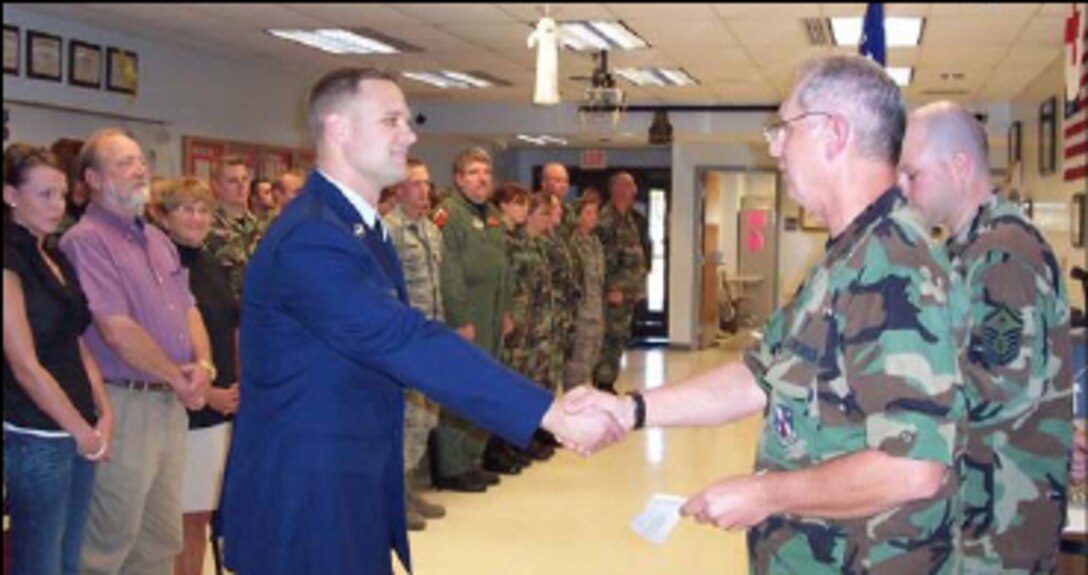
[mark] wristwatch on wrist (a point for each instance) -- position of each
(640, 410)
(209, 367)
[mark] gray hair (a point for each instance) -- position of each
(88, 154)
(858, 89)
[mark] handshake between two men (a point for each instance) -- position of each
(586, 420)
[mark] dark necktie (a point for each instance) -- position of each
(383, 249)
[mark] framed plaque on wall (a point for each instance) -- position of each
(122, 71)
(84, 65)
(11, 50)
(43, 56)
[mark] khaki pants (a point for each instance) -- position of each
(135, 520)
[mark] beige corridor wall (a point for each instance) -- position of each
(1052, 197)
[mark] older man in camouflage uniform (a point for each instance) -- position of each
(857, 376)
(419, 246)
(625, 276)
(1018, 360)
(566, 280)
(235, 230)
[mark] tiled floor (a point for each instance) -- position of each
(569, 516)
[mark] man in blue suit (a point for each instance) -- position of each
(314, 483)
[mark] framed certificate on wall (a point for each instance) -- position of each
(43, 56)
(11, 50)
(84, 64)
(122, 71)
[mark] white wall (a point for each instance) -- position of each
(182, 93)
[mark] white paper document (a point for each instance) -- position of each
(658, 518)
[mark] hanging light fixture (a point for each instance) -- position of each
(661, 129)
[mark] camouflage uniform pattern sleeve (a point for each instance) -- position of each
(1018, 364)
(863, 357)
(900, 349)
(232, 241)
(759, 355)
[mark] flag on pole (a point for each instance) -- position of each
(1075, 126)
(872, 43)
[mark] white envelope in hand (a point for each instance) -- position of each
(658, 519)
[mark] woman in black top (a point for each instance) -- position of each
(57, 420)
(182, 208)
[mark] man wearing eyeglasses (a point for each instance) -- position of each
(856, 376)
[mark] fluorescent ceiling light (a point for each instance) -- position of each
(449, 79)
(599, 35)
(336, 41)
(619, 34)
(677, 76)
(580, 36)
(640, 77)
(902, 76)
(898, 31)
(656, 76)
(467, 79)
(542, 140)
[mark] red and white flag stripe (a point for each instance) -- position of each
(1075, 126)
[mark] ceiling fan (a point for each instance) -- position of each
(601, 95)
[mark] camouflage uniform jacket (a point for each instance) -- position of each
(625, 259)
(567, 291)
(419, 247)
(527, 348)
(1018, 379)
(232, 241)
(865, 357)
(589, 258)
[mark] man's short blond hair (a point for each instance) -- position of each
(229, 161)
(335, 88)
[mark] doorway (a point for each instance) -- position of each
(740, 249)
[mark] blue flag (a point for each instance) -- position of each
(872, 43)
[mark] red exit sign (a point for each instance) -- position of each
(594, 160)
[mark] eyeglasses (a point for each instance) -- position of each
(773, 131)
(194, 209)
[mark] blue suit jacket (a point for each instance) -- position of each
(315, 479)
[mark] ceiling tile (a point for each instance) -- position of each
(985, 10)
(355, 14)
(1043, 31)
(767, 11)
(560, 12)
(706, 32)
(981, 30)
(259, 16)
(459, 13)
(662, 11)
(493, 36)
(767, 32)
